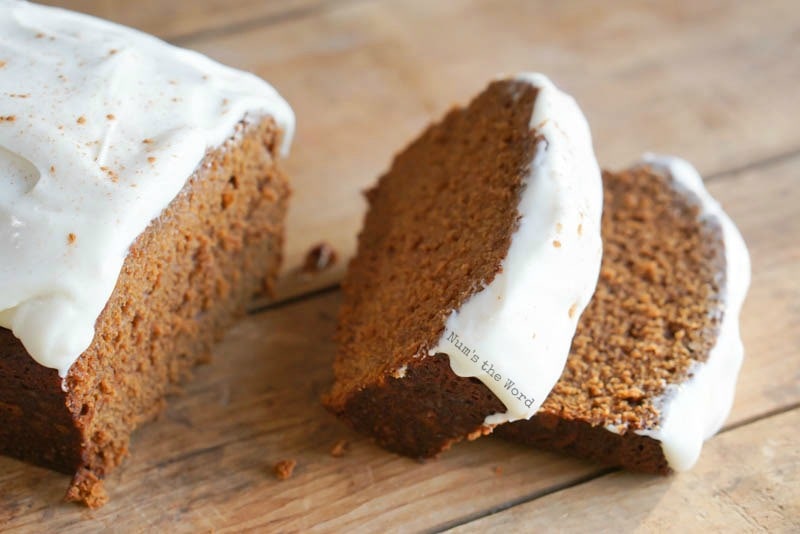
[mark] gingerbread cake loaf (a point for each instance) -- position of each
(479, 251)
(141, 206)
(654, 362)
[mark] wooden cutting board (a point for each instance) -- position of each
(715, 82)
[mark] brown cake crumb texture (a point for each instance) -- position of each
(186, 278)
(284, 469)
(655, 312)
(438, 226)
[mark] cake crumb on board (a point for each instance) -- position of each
(87, 488)
(320, 257)
(284, 469)
(340, 448)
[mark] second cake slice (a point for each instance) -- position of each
(654, 363)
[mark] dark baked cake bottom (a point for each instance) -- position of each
(184, 281)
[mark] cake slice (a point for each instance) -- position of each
(141, 206)
(654, 363)
(479, 251)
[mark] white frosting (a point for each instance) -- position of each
(695, 409)
(100, 126)
(520, 326)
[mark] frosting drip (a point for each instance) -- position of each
(694, 410)
(100, 127)
(514, 334)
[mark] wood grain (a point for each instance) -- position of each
(746, 481)
(712, 81)
(207, 463)
(763, 203)
(188, 20)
